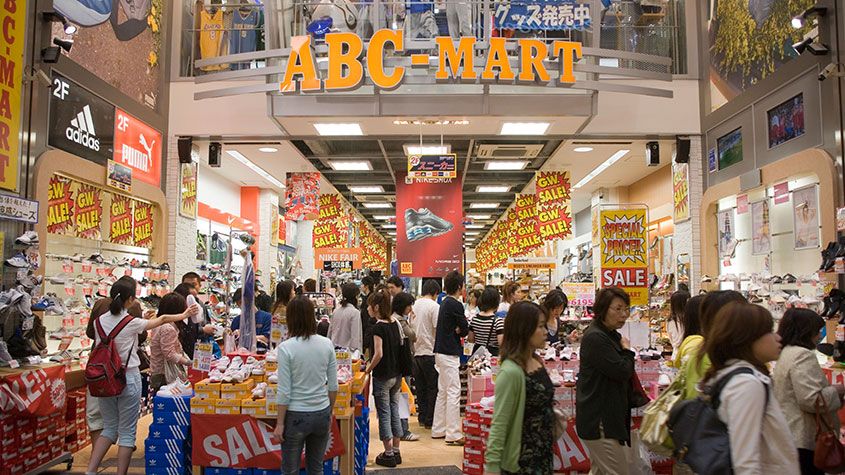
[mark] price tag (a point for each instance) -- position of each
(65, 344)
(468, 347)
(202, 357)
(278, 330)
(14, 364)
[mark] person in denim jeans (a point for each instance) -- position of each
(307, 390)
(120, 413)
(387, 378)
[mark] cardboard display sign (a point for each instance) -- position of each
(89, 212)
(60, 207)
(38, 392)
(624, 252)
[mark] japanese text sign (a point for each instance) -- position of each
(11, 87)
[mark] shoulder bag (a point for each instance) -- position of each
(829, 455)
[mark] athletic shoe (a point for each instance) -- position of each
(251, 361)
(222, 363)
(384, 460)
(63, 356)
(29, 238)
(397, 456)
(215, 376)
(236, 363)
(84, 12)
(175, 389)
(18, 261)
(273, 378)
(77, 257)
(459, 442)
(422, 223)
(96, 258)
(664, 380)
(259, 391)
(410, 437)
(271, 356)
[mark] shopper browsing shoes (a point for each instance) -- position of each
(424, 323)
(168, 361)
(402, 305)
(451, 327)
(307, 379)
(345, 325)
(120, 413)
(387, 377)
(522, 433)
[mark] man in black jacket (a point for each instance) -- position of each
(451, 327)
(367, 285)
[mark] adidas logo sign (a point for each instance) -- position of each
(82, 131)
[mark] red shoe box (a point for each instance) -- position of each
(476, 442)
(473, 468)
(474, 455)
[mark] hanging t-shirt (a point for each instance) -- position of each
(244, 35)
(211, 38)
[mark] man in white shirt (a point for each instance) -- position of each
(424, 322)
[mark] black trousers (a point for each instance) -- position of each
(425, 381)
(805, 460)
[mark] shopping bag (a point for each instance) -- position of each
(174, 371)
(654, 431)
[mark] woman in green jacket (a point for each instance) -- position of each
(522, 433)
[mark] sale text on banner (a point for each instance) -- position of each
(554, 205)
(120, 220)
(88, 211)
(241, 441)
(624, 258)
(12, 40)
(331, 228)
(528, 227)
(680, 191)
(39, 392)
(60, 204)
(142, 224)
(374, 247)
(353, 255)
(188, 190)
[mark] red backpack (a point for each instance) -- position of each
(105, 373)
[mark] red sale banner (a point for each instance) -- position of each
(528, 227)
(570, 455)
(89, 212)
(142, 224)
(241, 441)
(60, 207)
(120, 220)
(39, 392)
(301, 196)
(430, 227)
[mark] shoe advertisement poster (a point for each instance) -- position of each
(805, 211)
(680, 191)
(761, 237)
(727, 231)
(624, 251)
(429, 222)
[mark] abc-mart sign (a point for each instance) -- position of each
(85, 125)
(348, 62)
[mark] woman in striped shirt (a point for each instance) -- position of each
(486, 329)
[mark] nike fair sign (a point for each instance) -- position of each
(80, 122)
(138, 146)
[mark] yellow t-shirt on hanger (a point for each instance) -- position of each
(211, 38)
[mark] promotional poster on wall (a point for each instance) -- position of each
(730, 148)
(727, 232)
(761, 237)
(786, 121)
(805, 212)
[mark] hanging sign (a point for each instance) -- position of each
(781, 193)
(142, 224)
(119, 177)
(11, 89)
(60, 204)
(579, 294)
(120, 220)
(553, 189)
(18, 209)
(39, 392)
(528, 227)
(89, 212)
(302, 196)
(624, 258)
(741, 204)
(532, 263)
(352, 255)
(274, 225)
(680, 192)
(331, 228)
(80, 122)
(554, 216)
(432, 166)
(202, 357)
(137, 146)
(339, 267)
(188, 190)
(542, 15)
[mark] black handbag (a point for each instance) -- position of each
(406, 359)
(701, 439)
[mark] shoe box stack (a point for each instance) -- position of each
(76, 435)
(464, 376)
(238, 471)
(168, 445)
(480, 386)
(29, 442)
(362, 440)
(476, 430)
(227, 398)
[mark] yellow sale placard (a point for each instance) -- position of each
(624, 252)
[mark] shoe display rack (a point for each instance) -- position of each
(222, 269)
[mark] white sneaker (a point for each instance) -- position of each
(175, 389)
(273, 378)
(215, 376)
(663, 380)
(236, 363)
(29, 238)
(550, 354)
(259, 391)
(271, 356)
(251, 360)
(18, 261)
(223, 363)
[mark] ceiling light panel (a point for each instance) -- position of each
(484, 205)
(339, 129)
(367, 189)
(377, 205)
(411, 149)
(268, 149)
(583, 149)
(384, 216)
(351, 165)
(474, 226)
(389, 226)
(479, 216)
(599, 169)
(524, 128)
(492, 189)
(505, 165)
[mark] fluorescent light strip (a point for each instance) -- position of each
(505, 165)
(479, 216)
(384, 216)
(524, 128)
(351, 165)
(483, 205)
(366, 189)
(474, 226)
(426, 149)
(583, 149)
(339, 129)
(379, 205)
(599, 169)
(258, 170)
(492, 189)
(472, 233)
(388, 226)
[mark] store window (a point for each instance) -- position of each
(212, 28)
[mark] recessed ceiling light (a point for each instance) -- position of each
(388, 226)
(258, 170)
(411, 149)
(492, 189)
(339, 129)
(430, 122)
(505, 165)
(268, 149)
(604, 166)
(384, 216)
(524, 128)
(474, 226)
(377, 205)
(483, 205)
(583, 149)
(350, 165)
(391, 234)
(367, 189)
(479, 216)
(472, 233)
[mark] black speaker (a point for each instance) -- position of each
(652, 154)
(682, 150)
(215, 153)
(185, 144)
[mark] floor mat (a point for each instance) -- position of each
(445, 470)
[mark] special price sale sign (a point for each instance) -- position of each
(624, 252)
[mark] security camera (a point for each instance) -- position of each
(832, 69)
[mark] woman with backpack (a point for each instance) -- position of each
(741, 337)
(120, 412)
(522, 433)
(801, 387)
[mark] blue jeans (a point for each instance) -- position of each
(309, 430)
(386, 395)
(120, 413)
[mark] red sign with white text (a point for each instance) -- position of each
(241, 441)
(138, 146)
(38, 392)
(429, 227)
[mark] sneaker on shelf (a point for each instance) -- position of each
(215, 376)
(271, 356)
(77, 257)
(236, 363)
(176, 389)
(63, 356)
(555, 377)
(5, 357)
(664, 381)
(222, 363)
(273, 378)
(18, 261)
(251, 360)
(29, 238)
(550, 354)
(259, 391)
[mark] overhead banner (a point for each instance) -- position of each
(432, 166)
(12, 44)
(60, 204)
(331, 228)
(142, 224)
(351, 255)
(302, 192)
(542, 15)
(88, 213)
(188, 190)
(430, 227)
(528, 227)
(39, 392)
(554, 204)
(138, 146)
(624, 252)
(680, 192)
(374, 247)
(241, 441)
(120, 220)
